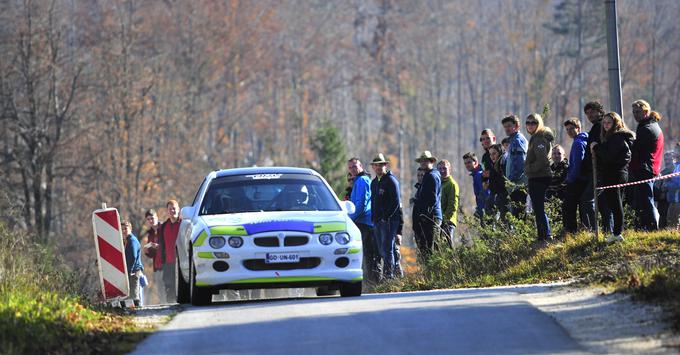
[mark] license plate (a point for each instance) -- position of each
(272, 258)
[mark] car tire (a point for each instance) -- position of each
(182, 293)
(352, 289)
(200, 296)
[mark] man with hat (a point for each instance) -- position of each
(386, 212)
(427, 208)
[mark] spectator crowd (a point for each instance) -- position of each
(517, 177)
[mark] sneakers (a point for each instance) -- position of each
(614, 238)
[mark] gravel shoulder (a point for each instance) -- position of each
(606, 322)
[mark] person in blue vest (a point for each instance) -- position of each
(427, 208)
(385, 212)
(133, 260)
(361, 198)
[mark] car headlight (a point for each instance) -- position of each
(325, 239)
(342, 238)
(216, 242)
(235, 242)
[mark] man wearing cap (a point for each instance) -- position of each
(385, 212)
(427, 208)
(361, 197)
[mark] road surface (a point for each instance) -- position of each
(466, 321)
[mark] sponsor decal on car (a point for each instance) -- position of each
(264, 176)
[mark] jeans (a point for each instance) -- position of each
(169, 282)
(577, 198)
(537, 189)
(371, 257)
(398, 270)
(386, 234)
(644, 205)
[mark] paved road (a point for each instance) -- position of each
(482, 321)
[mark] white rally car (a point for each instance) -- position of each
(266, 228)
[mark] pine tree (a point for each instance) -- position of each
(331, 155)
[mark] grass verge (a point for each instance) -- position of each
(44, 310)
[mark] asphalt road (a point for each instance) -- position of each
(469, 321)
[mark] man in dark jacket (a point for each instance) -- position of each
(385, 212)
(595, 111)
(647, 155)
(576, 194)
(428, 208)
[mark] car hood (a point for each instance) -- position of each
(259, 222)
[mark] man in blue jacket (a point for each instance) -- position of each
(514, 169)
(385, 212)
(476, 171)
(361, 198)
(133, 260)
(428, 208)
(576, 181)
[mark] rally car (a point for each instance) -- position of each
(269, 227)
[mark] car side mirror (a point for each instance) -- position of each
(187, 212)
(349, 207)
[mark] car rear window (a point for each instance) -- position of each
(266, 193)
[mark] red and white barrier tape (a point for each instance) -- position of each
(641, 181)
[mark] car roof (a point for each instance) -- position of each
(264, 170)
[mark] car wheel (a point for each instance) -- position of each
(352, 289)
(182, 290)
(200, 296)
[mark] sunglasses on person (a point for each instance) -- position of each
(482, 139)
(530, 123)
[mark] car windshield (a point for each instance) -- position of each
(266, 193)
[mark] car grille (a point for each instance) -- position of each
(260, 265)
(267, 241)
(295, 240)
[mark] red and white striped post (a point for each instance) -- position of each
(108, 241)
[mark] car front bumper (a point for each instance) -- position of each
(246, 266)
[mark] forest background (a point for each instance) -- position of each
(133, 102)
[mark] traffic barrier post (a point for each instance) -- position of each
(108, 242)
